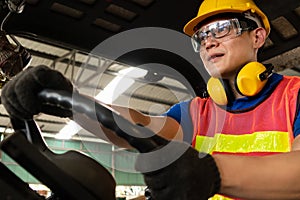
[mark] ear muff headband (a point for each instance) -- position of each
(249, 81)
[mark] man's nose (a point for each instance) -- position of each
(209, 41)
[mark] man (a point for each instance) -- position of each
(249, 125)
(254, 117)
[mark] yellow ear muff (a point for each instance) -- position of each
(216, 91)
(248, 80)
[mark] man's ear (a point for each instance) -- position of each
(259, 37)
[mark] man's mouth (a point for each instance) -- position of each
(214, 57)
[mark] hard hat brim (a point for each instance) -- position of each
(189, 27)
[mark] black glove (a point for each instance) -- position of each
(177, 171)
(20, 95)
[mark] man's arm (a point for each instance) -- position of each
(164, 126)
(268, 177)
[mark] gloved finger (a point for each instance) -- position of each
(35, 79)
(13, 111)
(165, 157)
(11, 101)
(50, 78)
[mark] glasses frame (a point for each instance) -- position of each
(210, 31)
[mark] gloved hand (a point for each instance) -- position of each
(20, 95)
(174, 170)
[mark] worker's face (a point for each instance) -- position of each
(223, 56)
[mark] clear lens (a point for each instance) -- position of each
(220, 30)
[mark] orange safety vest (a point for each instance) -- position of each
(263, 130)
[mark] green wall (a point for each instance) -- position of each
(104, 153)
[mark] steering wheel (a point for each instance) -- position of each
(62, 173)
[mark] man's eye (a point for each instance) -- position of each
(202, 36)
(221, 31)
(222, 28)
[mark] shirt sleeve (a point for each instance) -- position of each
(297, 119)
(180, 112)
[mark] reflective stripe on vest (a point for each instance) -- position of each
(265, 141)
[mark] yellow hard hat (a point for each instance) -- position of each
(210, 8)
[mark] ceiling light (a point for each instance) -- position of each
(68, 131)
(121, 12)
(107, 25)
(66, 10)
(284, 27)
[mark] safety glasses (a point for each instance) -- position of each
(221, 31)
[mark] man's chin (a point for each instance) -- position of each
(213, 71)
(215, 74)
